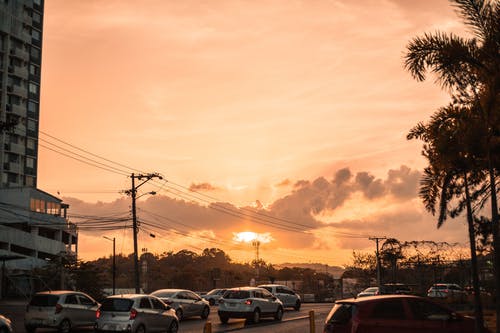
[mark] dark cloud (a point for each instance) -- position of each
(202, 187)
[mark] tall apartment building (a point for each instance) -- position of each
(33, 224)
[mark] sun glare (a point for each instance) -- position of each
(249, 236)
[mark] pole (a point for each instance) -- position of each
(133, 193)
(376, 239)
(114, 266)
(134, 228)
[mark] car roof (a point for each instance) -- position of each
(246, 288)
(271, 285)
(128, 296)
(58, 292)
(169, 290)
(369, 299)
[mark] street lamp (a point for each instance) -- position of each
(114, 261)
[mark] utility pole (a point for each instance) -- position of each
(377, 239)
(133, 193)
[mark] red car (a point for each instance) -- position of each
(394, 313)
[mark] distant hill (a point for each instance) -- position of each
(336, 271)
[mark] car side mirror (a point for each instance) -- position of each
(274, 298)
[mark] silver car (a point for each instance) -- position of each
(5, 325)
(60, 309)
(287, 296)
(135, 313)
(250, 303)
(213, 296)
(185, 302)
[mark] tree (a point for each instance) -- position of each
(470, 69)
(450, 147)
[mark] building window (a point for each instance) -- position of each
(33, 88)
(30, 162)
(31, 125)
(37, 205)
(35, 34)
(37, 18)
(33, 107)
(35, 53)
(30, 144)
(30, 181)
(34, 70)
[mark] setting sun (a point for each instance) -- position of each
(249, 236)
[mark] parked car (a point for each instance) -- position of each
(62, 309)
(251, 303)
(214, 295)
(395, 313)
(370, 291)
(135, 313)
(449, 292)
(186, 303)
(5, 325)
(287, 296)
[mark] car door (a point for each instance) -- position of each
(147, 314)
(196, 303)
(88, 308)
(71, 309)
(161, 318)
(185, 303)
(268, 301)
(387, 315)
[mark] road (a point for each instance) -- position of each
(293, 321)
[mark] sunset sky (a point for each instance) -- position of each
(295, 110)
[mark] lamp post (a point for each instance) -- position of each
(114, 262)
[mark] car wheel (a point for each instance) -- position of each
(211, 301)
(30, 329)
(65, 326)
(279, 314)
(297, 306)
(140, 329)
(255, 316)
(174, 327)
(224, 319)
(179, 314)
(205, 313)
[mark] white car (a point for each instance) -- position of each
(186, 303)
(214, 295)
(287, 296)
(250, 303)
(135, 313)
(450, 292)
(61, 309)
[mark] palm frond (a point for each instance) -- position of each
(476, 14)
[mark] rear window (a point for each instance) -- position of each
(439, 287)
(237, 294)
(117, 304)
(341, 313)
(44, 300)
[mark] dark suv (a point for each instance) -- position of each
(394, 313)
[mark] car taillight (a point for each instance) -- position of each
(248, 302)
(98, 314)
(446, 291)
(133, 314)
(376, 293)
(58, 308)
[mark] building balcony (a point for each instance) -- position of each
(19, 71)
(17, 109)
(20, 53)
(17, 90)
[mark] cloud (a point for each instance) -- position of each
(202, 187)
(318, 215)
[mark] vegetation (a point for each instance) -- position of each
(462, 140)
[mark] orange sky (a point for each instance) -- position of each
(301, 107)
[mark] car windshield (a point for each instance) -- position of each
(371, 289)
(163, 294)
(268, 289)
(214, 292)
(117, 304)
(237, 294)
(439, 287)
(44, 300)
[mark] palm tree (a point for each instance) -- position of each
(452, 174)
(470, 69)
